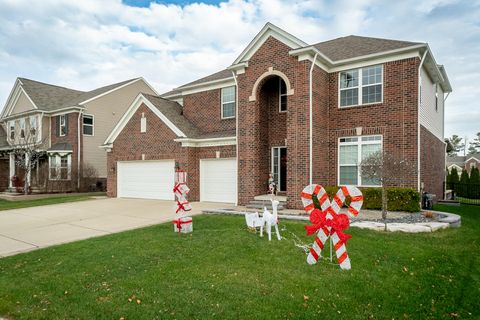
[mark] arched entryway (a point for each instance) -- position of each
(272, 107)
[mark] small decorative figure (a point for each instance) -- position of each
(270, 220)
(253, 220)
(272, 187)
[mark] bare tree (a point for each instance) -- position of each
(27, 150)
(387, 170)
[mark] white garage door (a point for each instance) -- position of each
(145, 179)
(218, 180)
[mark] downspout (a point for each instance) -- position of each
(310, 155)
(79, 135)
(236, 127)
(418, 118)
(445, 152)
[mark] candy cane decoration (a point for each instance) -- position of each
(328, 220)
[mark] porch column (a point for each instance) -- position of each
(28, 168)
(12, 169)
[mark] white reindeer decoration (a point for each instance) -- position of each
(270, 220)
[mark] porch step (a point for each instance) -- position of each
(267, 197)
(260, 204)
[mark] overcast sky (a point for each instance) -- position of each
(86, 44)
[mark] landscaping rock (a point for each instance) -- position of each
(434, 226)
(370, 225)
(406, 227)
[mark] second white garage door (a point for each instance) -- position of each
(218, 180)
(146, 179)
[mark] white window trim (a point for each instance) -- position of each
(280, 95)
(64, 117)
(11, 124)
(89, 125)
(33, 120)
(225, 102)
(360, 87)
(23, 128)
(58, 161)
(358, 143)
(143, 123)
(271, 165)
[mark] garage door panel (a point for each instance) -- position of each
(145, 179)
(218, 180)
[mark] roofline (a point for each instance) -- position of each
(129, 114)
(269, 26)
(51, 112)
(197, 85)
(472, 158)
(207, 142)
(18, 85)
(112, 90)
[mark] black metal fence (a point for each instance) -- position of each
(463, 192)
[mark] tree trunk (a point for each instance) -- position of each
(384, 205)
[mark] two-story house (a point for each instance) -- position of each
(65, 126)
(303, 113)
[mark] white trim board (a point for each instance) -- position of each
(269, 30)
(139, 100)
(208, 142)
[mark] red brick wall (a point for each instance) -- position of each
(471, 163)
(395, 118)
(254, 166)
(157, 144)
(71, 137)
(432, 163)
(203, 109)
(4, 173)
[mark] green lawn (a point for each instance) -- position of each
(223, 271)
(7, 205)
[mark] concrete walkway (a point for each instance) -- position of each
(28, 229)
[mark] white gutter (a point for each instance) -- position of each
(236, 129)
(310, 155)
(79, 135)
(418, 118)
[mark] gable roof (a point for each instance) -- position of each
(46, 96)
(334, 51)
(357, 46)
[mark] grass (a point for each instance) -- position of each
(7, 205)
(223, 271)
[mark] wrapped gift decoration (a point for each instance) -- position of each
(183, 225)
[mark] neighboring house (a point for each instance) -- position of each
(463, 162)
(67, 127)
(306, 113)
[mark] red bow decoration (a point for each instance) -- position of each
(181, 206)
(338, 223)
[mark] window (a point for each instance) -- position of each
(228, 102)
(11, 128)
(59, 167)
(87, 125)
(33, 125)
(282, 89)
(62, 125)
(143, 123)
(361, 86)
(22, 128)
(351, 152)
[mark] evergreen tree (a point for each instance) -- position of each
(454, 176)
(463, 186)
(457, 145)
(474, 184)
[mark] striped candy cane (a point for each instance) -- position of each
(333, 219)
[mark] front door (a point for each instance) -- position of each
(279, 167)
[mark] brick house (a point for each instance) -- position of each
(463, 162)
(305, 113)
(66, 126)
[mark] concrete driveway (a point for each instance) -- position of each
(38, 227)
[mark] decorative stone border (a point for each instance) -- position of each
(443, 220)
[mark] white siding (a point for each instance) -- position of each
(429, 117)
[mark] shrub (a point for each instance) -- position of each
(399, 199)
(462, 187)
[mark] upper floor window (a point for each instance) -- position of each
(282, 89)
(22, 128)
(11, 128)
(228, 102)
(33, 125)
(351, 152)
(62, 125)
(88, 125)
(361, 86)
